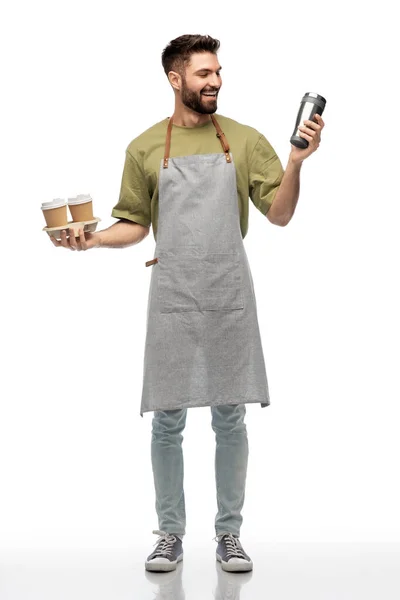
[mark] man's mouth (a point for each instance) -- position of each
(211, 94)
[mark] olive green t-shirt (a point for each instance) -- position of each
(259, 171)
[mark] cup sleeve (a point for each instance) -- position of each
(265, 174)
(134, 202)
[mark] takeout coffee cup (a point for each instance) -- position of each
(55, 213)
(81, 208)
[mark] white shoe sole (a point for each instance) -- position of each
(157, 565)
(234, 567)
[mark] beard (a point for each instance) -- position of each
(195, 101)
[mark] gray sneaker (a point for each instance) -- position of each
(231, 555)
(167, 554)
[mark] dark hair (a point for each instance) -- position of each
(176, 56)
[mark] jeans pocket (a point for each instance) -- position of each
(193, 281)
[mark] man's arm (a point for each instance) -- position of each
(122, 234)
(284, 203)
(283, 206)
(119, 235)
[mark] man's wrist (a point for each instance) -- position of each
(295, 162)
(98, 238)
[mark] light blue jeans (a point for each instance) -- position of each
(231, 457)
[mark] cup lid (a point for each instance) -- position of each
(80, 199)
(56, 203)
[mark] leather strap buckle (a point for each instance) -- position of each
(151, 262)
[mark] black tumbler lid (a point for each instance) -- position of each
(316, 96)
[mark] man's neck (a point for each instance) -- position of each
(188, 118)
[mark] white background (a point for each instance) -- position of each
(81, 81)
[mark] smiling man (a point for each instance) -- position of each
(190, 177)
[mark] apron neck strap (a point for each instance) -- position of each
(220, 135)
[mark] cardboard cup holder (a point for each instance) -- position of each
(73, 227)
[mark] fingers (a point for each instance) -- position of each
(312, 130)
(82, 239)
(306, 132)
(55, 242)
(64, 242)
(71, 242)
(311, 126)
(305, 135)
(319, 124)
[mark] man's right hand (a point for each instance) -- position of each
(85, 241)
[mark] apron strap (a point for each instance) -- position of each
(222, 138)
(167, 144)
(220, 135)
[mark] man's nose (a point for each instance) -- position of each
(214, 82)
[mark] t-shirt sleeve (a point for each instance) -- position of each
(265, 174)
(134, 198)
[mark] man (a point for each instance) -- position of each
(190, 176)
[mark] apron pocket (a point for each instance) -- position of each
(193, 282)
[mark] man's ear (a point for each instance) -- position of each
(175, 80)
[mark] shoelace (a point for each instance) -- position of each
(166, 541)
(233, 546)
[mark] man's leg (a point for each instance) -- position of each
(167, 462)
(231, 457)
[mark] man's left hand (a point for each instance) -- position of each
(311, 131)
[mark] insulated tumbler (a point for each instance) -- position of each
(311, 104)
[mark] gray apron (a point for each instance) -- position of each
(203, 345)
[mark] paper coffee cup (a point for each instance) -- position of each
(81, 208)
(55, 213)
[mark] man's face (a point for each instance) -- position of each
(202, 76)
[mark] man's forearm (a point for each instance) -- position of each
(121, 234)
(284, 204)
